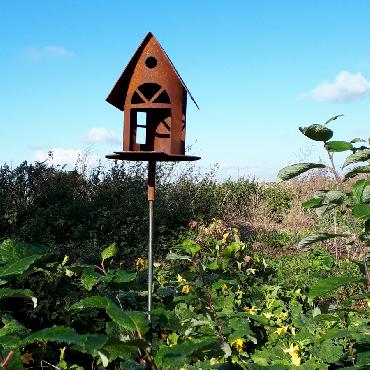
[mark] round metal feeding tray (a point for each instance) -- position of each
(151, 156)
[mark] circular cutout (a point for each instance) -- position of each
(151, 62)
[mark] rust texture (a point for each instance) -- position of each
(151, 180)
(153, 97)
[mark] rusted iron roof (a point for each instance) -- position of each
(118, 94)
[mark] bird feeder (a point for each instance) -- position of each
(153, 97)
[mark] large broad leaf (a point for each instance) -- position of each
(129, 320)
(325, 201)
(61, 334)
(319, 237)
(297, 169)
(8, 271)
(317, 132)
(358, 156)
(338, 146)
(327, 286)
(18, 293)
(357, 190)
(55, 334)
(15, 250)
(357, 171)
(11, 332)
(333, 197)
(361, 211)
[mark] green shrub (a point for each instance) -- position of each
(278, 201)
(75, 214)
(216, 306)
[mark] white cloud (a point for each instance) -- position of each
(346, 87)
(37, 53)
(102, 135)
(63, 156)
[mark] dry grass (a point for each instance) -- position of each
(294, 220)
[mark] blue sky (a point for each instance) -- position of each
(258, 69)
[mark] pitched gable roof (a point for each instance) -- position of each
(118, 94)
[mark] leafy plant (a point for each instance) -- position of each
(356, 202)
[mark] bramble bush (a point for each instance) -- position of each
(217, 305)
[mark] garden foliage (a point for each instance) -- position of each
(217, 305)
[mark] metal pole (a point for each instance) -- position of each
(150, 260)
(151, 197)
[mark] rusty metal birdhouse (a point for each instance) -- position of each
(153, 97)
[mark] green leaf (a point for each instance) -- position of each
(327, 286)
(89, 279)
(129, 320)
(359, 156)
(319, 237)
(361, 211)
(312, 203)
(323, 210)
(324, 201)
(18, 293)
(59, 334)
(16, 268)
(166, 291)
(191, 247)
(92, 302)
(338, 146)
(11, 332)
(93, 342)
(15, 250)
(357, 140)
(123, 276)
(366, 193)
(173, 256)
(317, 132)
(132, 365)
(124, 351)
(181, 354)
(357, 171)
(297, 169)
(330, 352)
(333, 197)
(109, 252)
(357, 190)
(231, 249)
(213, 265)
(333, 118)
